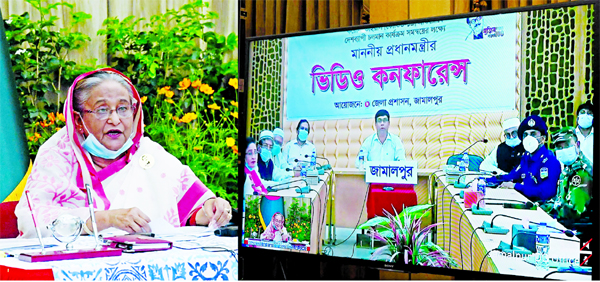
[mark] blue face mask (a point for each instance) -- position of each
(265, 154)
(567, 156)
(585, 121)
(95, 148)
(250, 168)
(513, 142)
(302, 135)
(276, 149)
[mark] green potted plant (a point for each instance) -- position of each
(405, 240)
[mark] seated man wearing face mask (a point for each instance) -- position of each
(575, 184)
(278, 159)
(507, 155)
(537, 174)
(585, 130)
(295, 151)
(266, 167)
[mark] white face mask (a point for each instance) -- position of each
(585, 121)
(567, 156)
(513, 142)
(531, 144)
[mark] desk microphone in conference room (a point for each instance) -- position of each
(301, 190)
(306, 162)
(327, 166)
(490, 225)
(98, 251)
(484, 140)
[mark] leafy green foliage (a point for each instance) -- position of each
(297, 222)
(252, 225)
(39, 56)
(405, 239)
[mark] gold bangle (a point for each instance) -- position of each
(86, 229)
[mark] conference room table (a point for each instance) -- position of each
(196, 255)
(318, 196)
(455, 237)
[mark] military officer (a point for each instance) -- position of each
(575, 183)
(537, 174)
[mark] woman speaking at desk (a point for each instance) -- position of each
(134, 181)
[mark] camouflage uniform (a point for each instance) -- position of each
(574, 185)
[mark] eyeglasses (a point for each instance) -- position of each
(267, 146)
(103, 113)
(252, 152)
(382, 119)
(511, 135)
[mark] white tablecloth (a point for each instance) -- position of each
(174, 264)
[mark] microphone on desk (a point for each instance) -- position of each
(327, 166)
(299, 161)
(484, 140)
(301, 190)
(477, 210)
(567, 232)
(90, 200)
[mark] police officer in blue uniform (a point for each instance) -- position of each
(538, 172)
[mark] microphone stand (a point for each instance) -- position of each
(484, 140)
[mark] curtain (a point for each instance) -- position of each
(100, 10)
(267, 17)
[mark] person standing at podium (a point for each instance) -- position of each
(507, 155)
(295, 151)
(537, 174)
(382, 145)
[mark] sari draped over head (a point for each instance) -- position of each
(271, 233)
(146, 177)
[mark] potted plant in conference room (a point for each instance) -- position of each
(405, 240)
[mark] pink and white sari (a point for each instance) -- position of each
(147, 177)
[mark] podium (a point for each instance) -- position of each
(401, 176)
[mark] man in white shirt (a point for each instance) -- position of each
(278, 158)
(507, 155)
(585, 130)
(381, 146)
(295, 151)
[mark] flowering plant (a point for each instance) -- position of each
(39, 56)
(405, 239)
(203, 138)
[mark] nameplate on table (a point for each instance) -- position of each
(398, 172)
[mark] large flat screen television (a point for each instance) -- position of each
(440, 145)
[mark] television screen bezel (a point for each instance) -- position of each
(244, 57)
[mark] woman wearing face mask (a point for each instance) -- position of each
(266, 165)
(295, 151)
(585, 129)
(134, 181)
(256, 185)
(507, 155)
(537, 174)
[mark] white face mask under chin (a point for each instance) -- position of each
(531, 144)
(95, 148)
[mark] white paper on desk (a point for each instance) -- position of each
(161, 226)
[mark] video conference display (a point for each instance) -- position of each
(464, 143)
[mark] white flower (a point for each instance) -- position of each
(8, 21)
(20, 51)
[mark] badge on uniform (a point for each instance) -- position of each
(543, 172)
(576, 181)
(523, 175)
(544, 160)
(531, 123)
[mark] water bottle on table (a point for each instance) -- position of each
(481, 190)
(303, 171)
(465, 162)
(542, 246)
(313, 160)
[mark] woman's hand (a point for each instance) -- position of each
(215, 213)
(132, 220)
